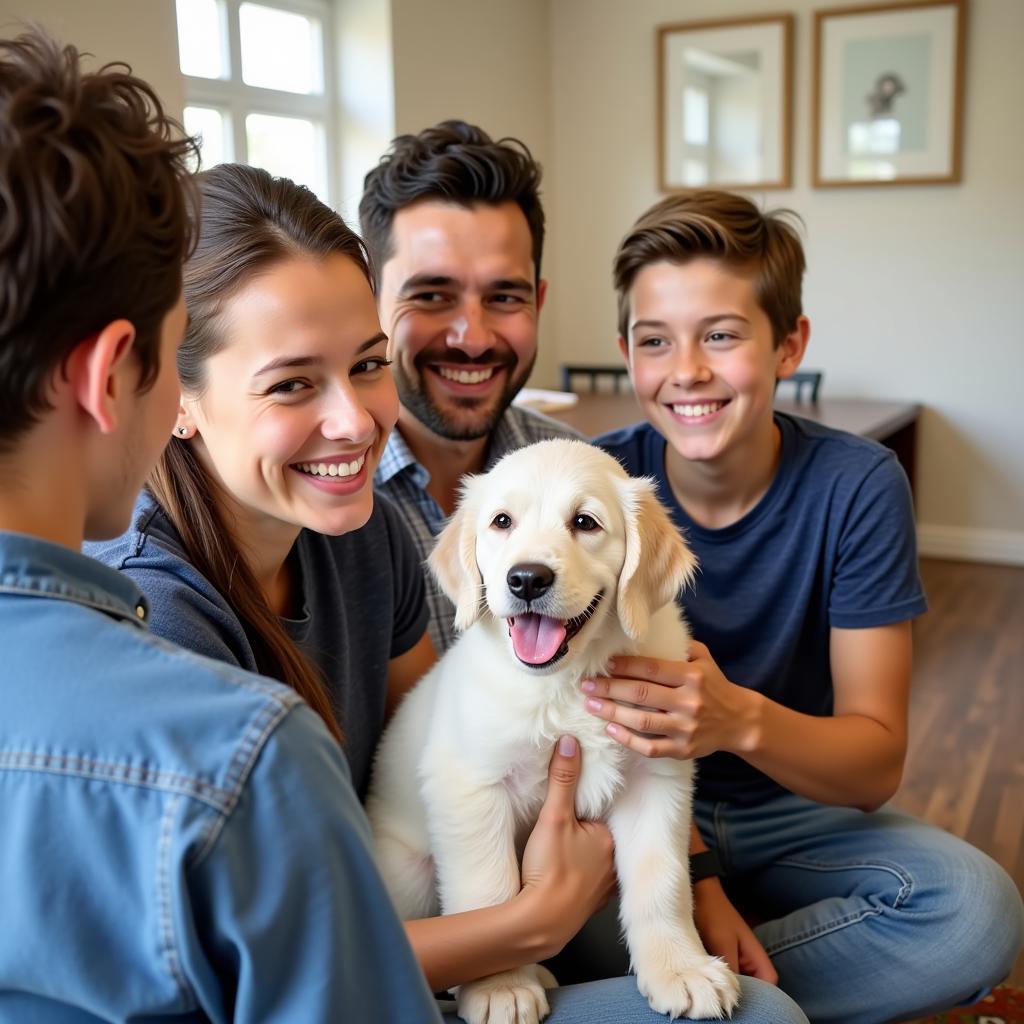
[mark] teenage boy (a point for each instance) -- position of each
(180, 839)
(795, 698)
(455, 229)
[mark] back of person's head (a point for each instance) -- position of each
(453, 162)
(247, 222)
(721, 226)
(93, 218)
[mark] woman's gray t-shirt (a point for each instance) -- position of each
(362, 605)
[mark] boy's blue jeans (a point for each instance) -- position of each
(868, 917)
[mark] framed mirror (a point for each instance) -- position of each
(725, 103)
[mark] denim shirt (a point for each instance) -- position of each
(179, 839)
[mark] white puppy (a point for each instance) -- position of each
(556, 560)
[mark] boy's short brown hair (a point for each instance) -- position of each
(93, 218)
(721, 226)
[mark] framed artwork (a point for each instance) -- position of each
(888, 94)
(725, 103)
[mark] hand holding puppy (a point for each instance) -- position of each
(680, 709)
(568, 868)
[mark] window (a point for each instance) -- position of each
(257, 85)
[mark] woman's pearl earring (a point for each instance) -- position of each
(182, 431)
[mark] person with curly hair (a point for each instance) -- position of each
(181, 839)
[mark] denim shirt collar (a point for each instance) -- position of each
(38, 568)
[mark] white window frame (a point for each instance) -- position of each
(232, 96)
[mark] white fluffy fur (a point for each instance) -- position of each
(478, 731)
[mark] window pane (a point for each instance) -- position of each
(281, 50)
(695, 116)
(202, 48)
(211, 125)
(290, 147)
(695, 172)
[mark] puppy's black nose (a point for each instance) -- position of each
(528, 580)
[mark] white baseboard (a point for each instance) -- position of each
(1002, 547)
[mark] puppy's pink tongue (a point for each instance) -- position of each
(536, 638)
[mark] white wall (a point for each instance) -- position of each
(142, 33)
(913, 292)
(365, 94)
(487, 62)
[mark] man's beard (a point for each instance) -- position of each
(417, 400)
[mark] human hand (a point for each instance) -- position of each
(568, 865)
(683, 709)
(725, 933)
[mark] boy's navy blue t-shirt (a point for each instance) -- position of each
(831, 543)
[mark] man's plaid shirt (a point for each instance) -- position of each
(404, 481)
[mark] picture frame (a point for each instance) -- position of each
(888, 94)
(725, 103)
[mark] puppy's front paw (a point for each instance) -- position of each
(702, 989)
(512, 997)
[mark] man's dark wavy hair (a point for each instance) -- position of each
(453, 162)
(93, 216)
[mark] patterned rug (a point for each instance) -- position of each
(1004, 1006)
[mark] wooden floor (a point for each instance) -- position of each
(965, 766)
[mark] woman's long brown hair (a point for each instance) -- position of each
(248, 220)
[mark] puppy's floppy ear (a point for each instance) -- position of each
(658, 562)
(453, 561)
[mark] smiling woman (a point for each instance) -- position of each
(258, 532)
(296, 378)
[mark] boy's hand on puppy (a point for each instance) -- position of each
(568, 865)
(681, 709)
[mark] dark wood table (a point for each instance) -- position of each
(894, 424)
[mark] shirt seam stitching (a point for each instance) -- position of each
(168, 937)
(44, 593)
(79, 766)
(250, 749)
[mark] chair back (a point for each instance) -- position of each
(611, 375)
(805, 384)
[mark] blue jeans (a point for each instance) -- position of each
(867, 917)
(618, 1001)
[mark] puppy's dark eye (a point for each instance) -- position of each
(586, 523)
(502, 521)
